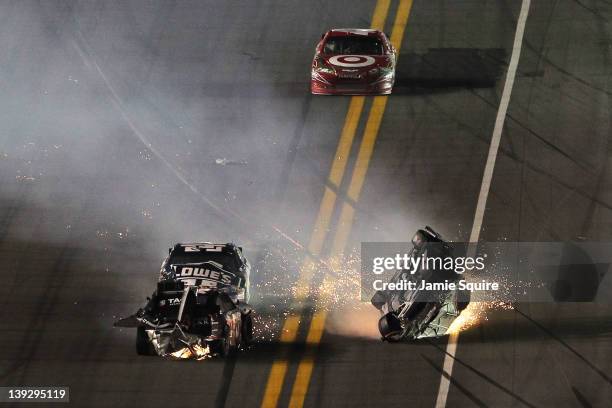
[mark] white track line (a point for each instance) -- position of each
(451, 347)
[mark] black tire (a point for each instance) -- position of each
(143, 345)
(379, 299)
(390, 327)
(463, 300)
(223, 347)
(247, 330)
(218, 347)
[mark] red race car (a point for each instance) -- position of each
(350, 61)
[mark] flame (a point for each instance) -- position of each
(475, 314)
(201, 353)
(340, 291)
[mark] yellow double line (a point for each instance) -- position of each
(289, 331)
(369, 138)
(277, 374)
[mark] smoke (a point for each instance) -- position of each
(358, 320)
(127, 127)
(114, 111)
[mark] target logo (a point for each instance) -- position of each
(352, 61)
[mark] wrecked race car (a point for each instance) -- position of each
(410, 314)
(200, 306)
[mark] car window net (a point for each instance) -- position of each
(353, 44)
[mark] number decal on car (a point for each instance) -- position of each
(204, 247)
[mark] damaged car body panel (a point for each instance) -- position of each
(412, 314)
(200, 305)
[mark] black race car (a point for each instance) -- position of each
(200, 306)
(412, 314)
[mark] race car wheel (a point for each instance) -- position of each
(143, 345)
(463, 300)
(390, 327)
(218, 347)
(224, 346)
(247, 330)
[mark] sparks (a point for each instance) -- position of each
(196, 352)
(475, 314)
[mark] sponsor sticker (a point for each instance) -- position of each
(352, 61)
(204, 273)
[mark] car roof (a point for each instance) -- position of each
(202, 243)
(341, 32)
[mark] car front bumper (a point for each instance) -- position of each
(383, 87)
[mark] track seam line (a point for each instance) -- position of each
(451, 347)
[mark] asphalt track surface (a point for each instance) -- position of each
(127, 126)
